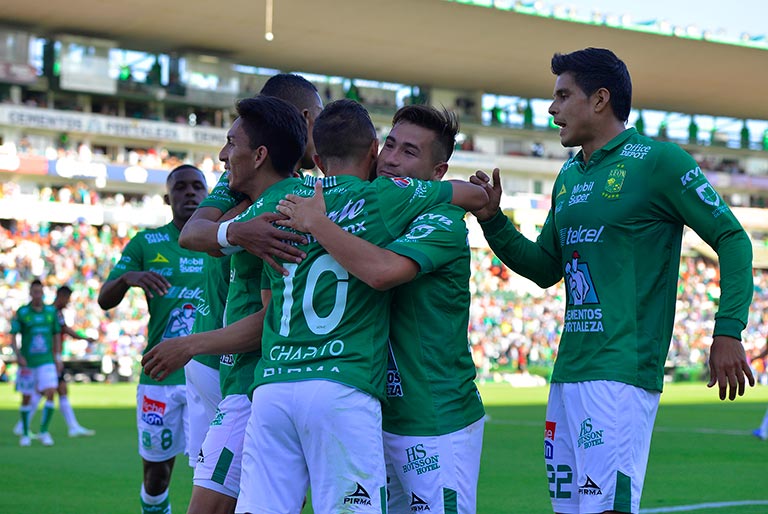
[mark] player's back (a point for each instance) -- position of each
(322, 322)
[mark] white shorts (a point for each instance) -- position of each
(314, 433)
(220, 462)
(203, 396)
(161, 417)
(37, 379)
(597, 438)
(434, 473)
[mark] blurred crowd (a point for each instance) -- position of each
(514, 326)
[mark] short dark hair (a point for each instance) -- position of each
(292, 88)
(64, 290)
(444, 123)
(277, 125)
(593, 68)
(36, 282)
(343, 131)
(181, 167)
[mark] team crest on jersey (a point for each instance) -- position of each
(614, 182)
(159, 258)
(401, 181)
(708, 194)
(152, 411)
(180, 321)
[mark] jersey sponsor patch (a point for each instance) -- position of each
(402, 182)
(152, 411)
(359, 497)
(159, 258)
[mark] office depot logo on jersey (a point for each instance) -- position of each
(152, 411)
(572, 236)
(157, 238)
(636, 151)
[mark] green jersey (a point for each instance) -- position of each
(37, 328)
(221, 197)
(430, 375)
(172, 314)
(322, 322)
(244, 297)
(209, 313)
(614, 233)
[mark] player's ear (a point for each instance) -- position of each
(166, 199)
(438, 172)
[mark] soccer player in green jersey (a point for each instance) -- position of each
(258, 236)
(38, 357)
(173, 279)
(263, 146)
(433, 420)
(317, 387)
(614, 232)
(74, 429)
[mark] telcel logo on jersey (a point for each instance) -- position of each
(152, 411)
(191, 264)
(153, 238)
(184, 293)
(572, 236)
(581, 192)
(636, 151)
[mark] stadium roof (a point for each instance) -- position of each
(422, 42)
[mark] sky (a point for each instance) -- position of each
(733, 17)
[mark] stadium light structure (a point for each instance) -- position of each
(268, 34)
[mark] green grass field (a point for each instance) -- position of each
(702, 453)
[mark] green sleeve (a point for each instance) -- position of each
(221, 197)
(132, 258)
(538, 261)
(685, 195)
(433, 239)
(402, 199)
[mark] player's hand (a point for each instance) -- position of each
(493, 188)
(168, 356)
(302, 212)
(728, 366)
(261, 238)
(151, 282)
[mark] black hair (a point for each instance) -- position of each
(343, 131)
(444, 124)
(593, 68)
(292, 88)
(64, 290)
(36, 282)
(276, 124)
(182, 167)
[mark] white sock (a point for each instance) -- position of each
(34, 405)
(68, 413)
(153, 500)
